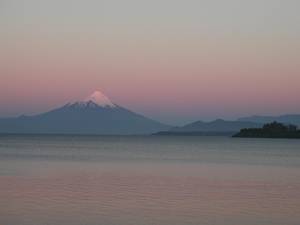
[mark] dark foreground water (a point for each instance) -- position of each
(73, 180)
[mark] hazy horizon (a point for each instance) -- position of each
(172, 61)
(177, 123)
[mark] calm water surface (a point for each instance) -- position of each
(95, 180)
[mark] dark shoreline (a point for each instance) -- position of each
(271, 130)
(196, 133)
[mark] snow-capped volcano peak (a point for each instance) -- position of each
(100, 99)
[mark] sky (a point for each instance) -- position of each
(174, 61)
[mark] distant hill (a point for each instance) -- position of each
(286, 119)
(94, 115)
(270, 130)
(216, 127)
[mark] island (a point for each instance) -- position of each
(270, 130)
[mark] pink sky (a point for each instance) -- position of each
(173, 69)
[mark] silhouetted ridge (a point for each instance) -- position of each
(286, 119)
(217, 127)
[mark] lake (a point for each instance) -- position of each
(148, 180)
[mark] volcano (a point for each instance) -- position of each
(95, 114)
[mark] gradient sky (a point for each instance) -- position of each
(175, 61)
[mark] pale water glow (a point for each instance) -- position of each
(75, 180)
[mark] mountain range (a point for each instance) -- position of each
(223, 127)
(218, 125)
(97, 114)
